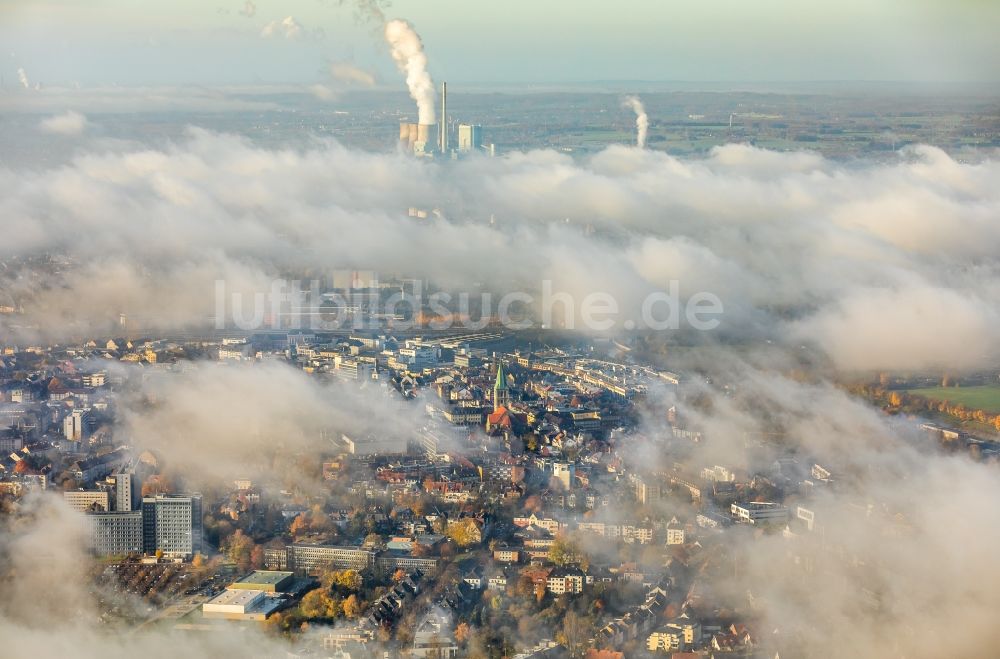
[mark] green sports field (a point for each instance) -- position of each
(986, 397)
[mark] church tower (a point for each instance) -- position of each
(501, 392)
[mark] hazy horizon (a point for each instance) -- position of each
(186, 42)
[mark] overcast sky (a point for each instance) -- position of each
(60, 42)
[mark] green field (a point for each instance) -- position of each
(986, 397)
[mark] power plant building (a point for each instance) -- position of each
(470, 137)
(419, 139)
(434, 139)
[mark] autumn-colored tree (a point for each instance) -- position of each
(299, 527)
(198, 561)
(257, 557)
(156, 484)
(238, 548)
(352, 607)
(348, 580)
(274, 623)
(345, 581)
(464, 532)
(462, 633)
(319, 603)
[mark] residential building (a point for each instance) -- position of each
(78, 425)
(675, 533)
(173, 524)
(680, 633)
(566, 580)
(117, 533)
(128, 490)
(87, 500)
(433, 638)
(565, 473)
(759, 512)
(648, 490)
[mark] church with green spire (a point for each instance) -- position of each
(501, 390)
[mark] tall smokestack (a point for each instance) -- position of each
(408, 52)
(641, 119)
(443, 136)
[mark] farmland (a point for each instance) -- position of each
(983, 397)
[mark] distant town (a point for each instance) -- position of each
(518, 505)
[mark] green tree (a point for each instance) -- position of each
(565, 551)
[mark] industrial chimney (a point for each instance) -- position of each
(443, 134)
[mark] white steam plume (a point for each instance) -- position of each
(23, 77)
(641, 119)
(408, 52)
(249, 9)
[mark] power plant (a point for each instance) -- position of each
(429, 140)
(443, 130)
(416, 137)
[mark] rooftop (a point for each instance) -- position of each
(268, 577)
(236, 598)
